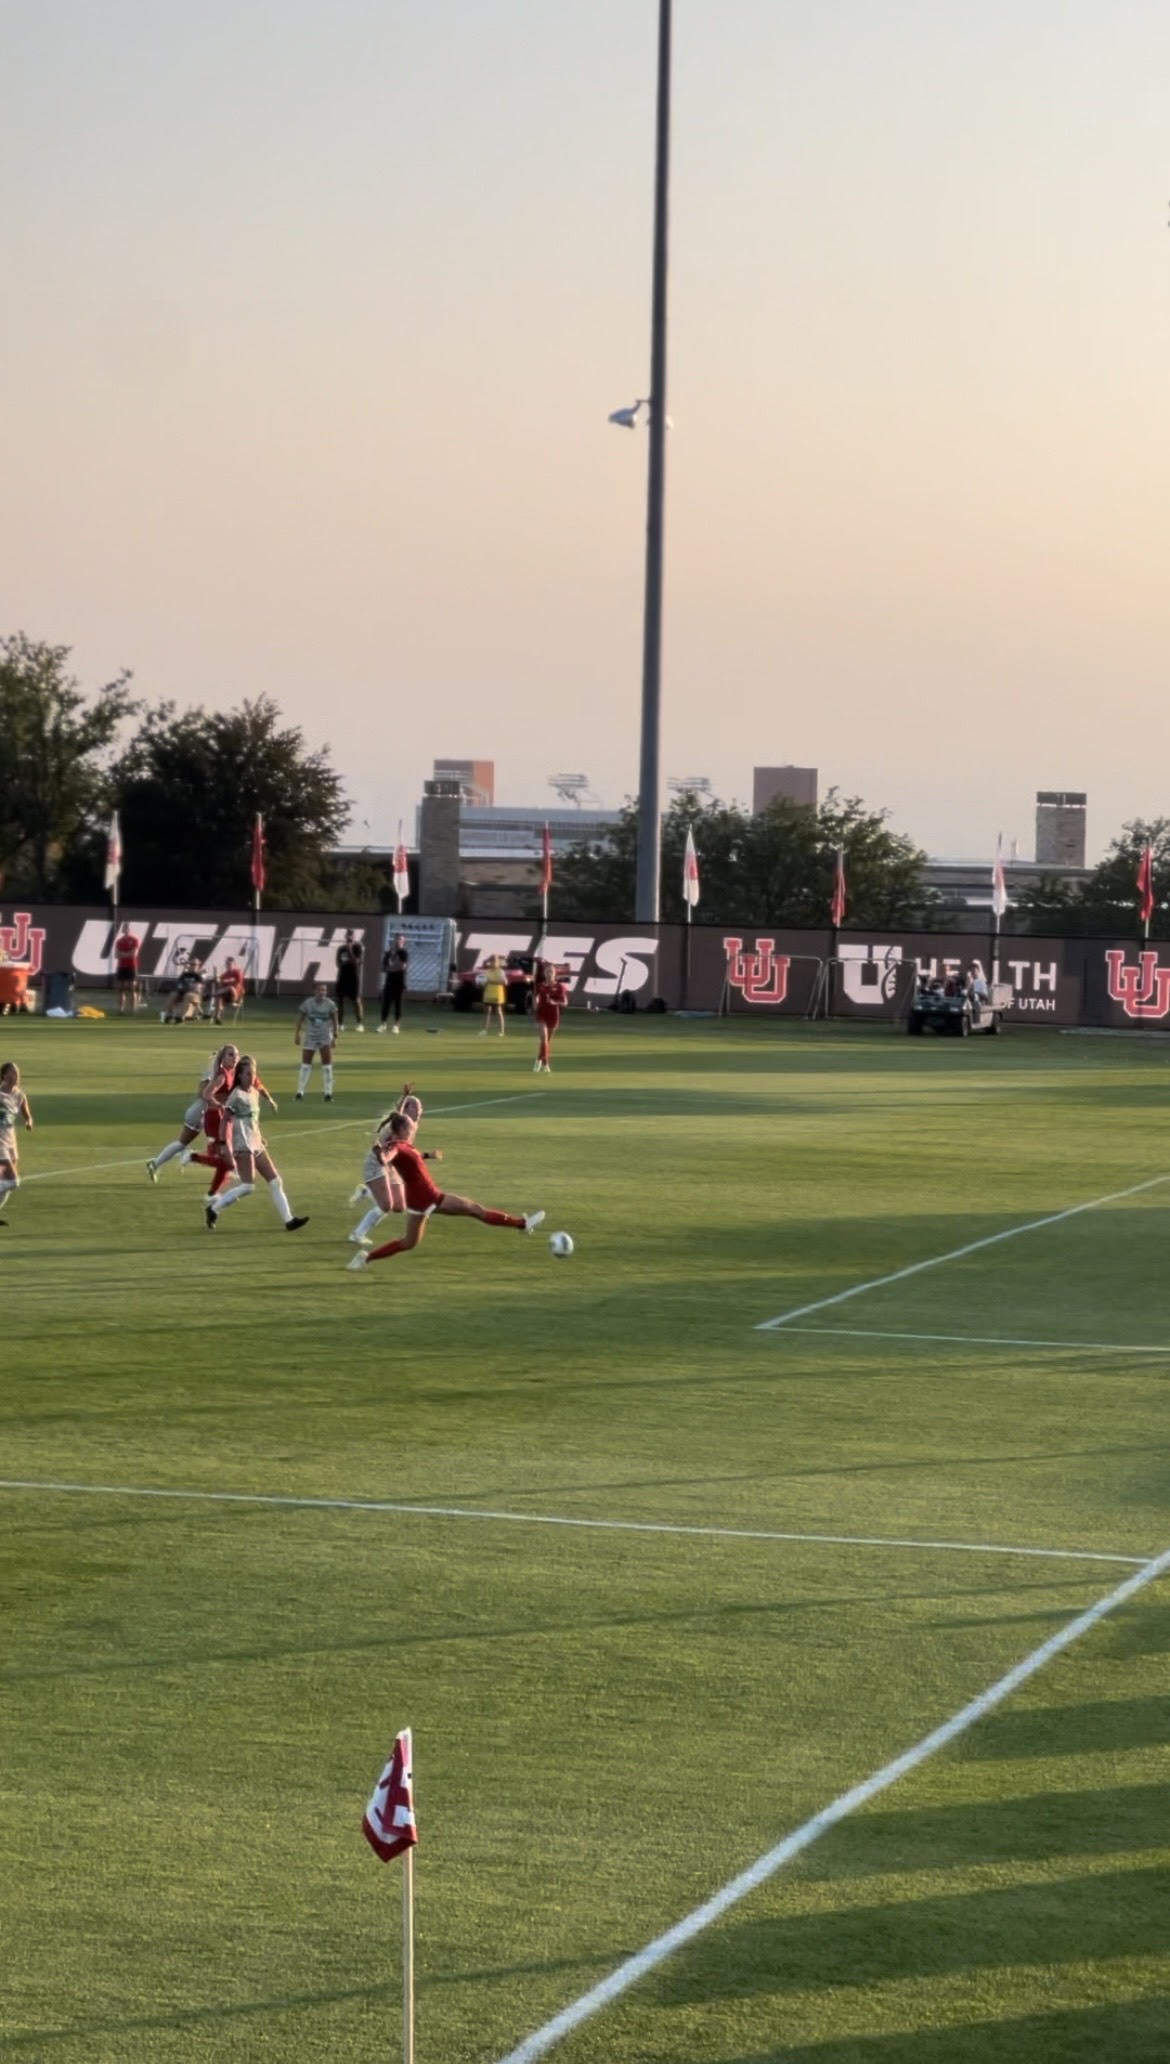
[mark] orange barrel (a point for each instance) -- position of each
(13, 987)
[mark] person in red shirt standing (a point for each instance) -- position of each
(127, 947)
(548, 1000)
(423, 1197)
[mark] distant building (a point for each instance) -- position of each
(1060, 827)
(783, 784)
(476, 778)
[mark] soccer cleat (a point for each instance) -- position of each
(396, 1029)
(357, 1196)
(293, 1225)
(210, 1217)
(537, 1066)
(186, 1157)
(300, 1096)
(360, 1240)
(3, 1221)
(533, 1219)
(359, 1261)
(152, 1170)
(329, 1098)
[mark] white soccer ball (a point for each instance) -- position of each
(560, 1244)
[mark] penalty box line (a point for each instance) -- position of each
(977, 1340)
(766, 1866)
(915, 1268)
(545, 1519)
(301, 1124)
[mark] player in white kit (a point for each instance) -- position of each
(14, 1111)
(317, 1019)
(250, 1150)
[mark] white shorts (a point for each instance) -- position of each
(8, 1147)
(373, 1170)
(246, 1139)
(314, 1041)
(193, 1116)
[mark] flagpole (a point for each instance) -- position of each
(408, 1957)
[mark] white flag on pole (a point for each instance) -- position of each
(691, 871)
(401, 871)
(113, 855)
(999, 895)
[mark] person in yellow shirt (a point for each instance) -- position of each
(495, 995)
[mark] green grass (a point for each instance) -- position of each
(195, 1698)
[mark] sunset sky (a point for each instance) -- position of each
(313, 316)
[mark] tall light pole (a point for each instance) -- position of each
(646, 894)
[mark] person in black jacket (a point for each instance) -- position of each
(395, 961)
(348, 987)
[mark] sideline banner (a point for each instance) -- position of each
(760, 971)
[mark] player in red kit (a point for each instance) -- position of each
(423, 1197)
(549, 998)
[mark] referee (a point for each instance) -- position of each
(395, 961)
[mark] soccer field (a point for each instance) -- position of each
(654, 1581)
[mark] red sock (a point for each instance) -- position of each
(544, 1046)
(390, 1247)
(206, 1160)
(502, 1218)
(218, 1180)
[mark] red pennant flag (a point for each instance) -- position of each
(1145, 884)
(259, 877)
(838, 906)
(401, 870)
(389, 1824)
(545, 861)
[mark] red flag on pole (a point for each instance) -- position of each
(690, 872)
(258, 874)
(401, 870)
(545, 861)
(1145, 884)
(839, 904)
(389, 1824)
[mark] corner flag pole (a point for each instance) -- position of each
(408, 1957)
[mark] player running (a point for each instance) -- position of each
(548, 1000)
(14, 1111)
(380, 1182)
(422, 1197)
(318, 1016)
(249, 1150)
(214, 1084)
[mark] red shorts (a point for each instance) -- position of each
(422, 1202)
(549, 1016)
(213, 1125)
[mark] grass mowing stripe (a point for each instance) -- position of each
(915, 1268)
(605, 1526)
(977, 1340)
(766, 1866)
(328, 1125)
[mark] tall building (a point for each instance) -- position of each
(783, 784)
(1060, 827)
(476, 778)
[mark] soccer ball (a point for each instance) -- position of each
(560, 1244)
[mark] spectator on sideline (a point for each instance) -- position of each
(348, 987)
(127, 947)
(394, 965)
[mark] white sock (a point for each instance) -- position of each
(7, 1187)
(306, 1070)
(327, 1075)
(168, 1153)
(283, 1207)
(368, 1223)
(232, 1196)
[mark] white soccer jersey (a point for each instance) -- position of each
(244, 1106)
(319, 1021)
(11, 1113)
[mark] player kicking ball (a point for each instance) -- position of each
(423, 1198)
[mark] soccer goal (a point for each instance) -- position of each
(430, 942)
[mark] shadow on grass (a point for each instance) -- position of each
(1101, 1726)
(1116, 1914)
(1024, 1830)
(1135, 2031)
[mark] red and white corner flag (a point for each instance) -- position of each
(837, 910)
(545, 861)
(1145, 884)
(401, 871)
(999, 894)
(690, 872)
(259, 872)
(114, 855)
(389, 1824)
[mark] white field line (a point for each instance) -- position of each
(299, 1124)
(601, 1526)
(801, 1311)
(765, 1867)
(978, 1340)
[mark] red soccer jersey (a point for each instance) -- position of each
(232, 980)
(550, 996)
(410, 1168)
(126, 951)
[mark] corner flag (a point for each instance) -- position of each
(389, 1825)
(259, 872)
(401, 871)
(999, 894)
(114, 855)
(1145, 884)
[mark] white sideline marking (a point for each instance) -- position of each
(327, 1125)
(801, 1311)
(978, 1340)
(766, 1866)
(604, 1526)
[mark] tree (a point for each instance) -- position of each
(189, 786)
(1107, 903)
(54, 793)
(774, 868)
